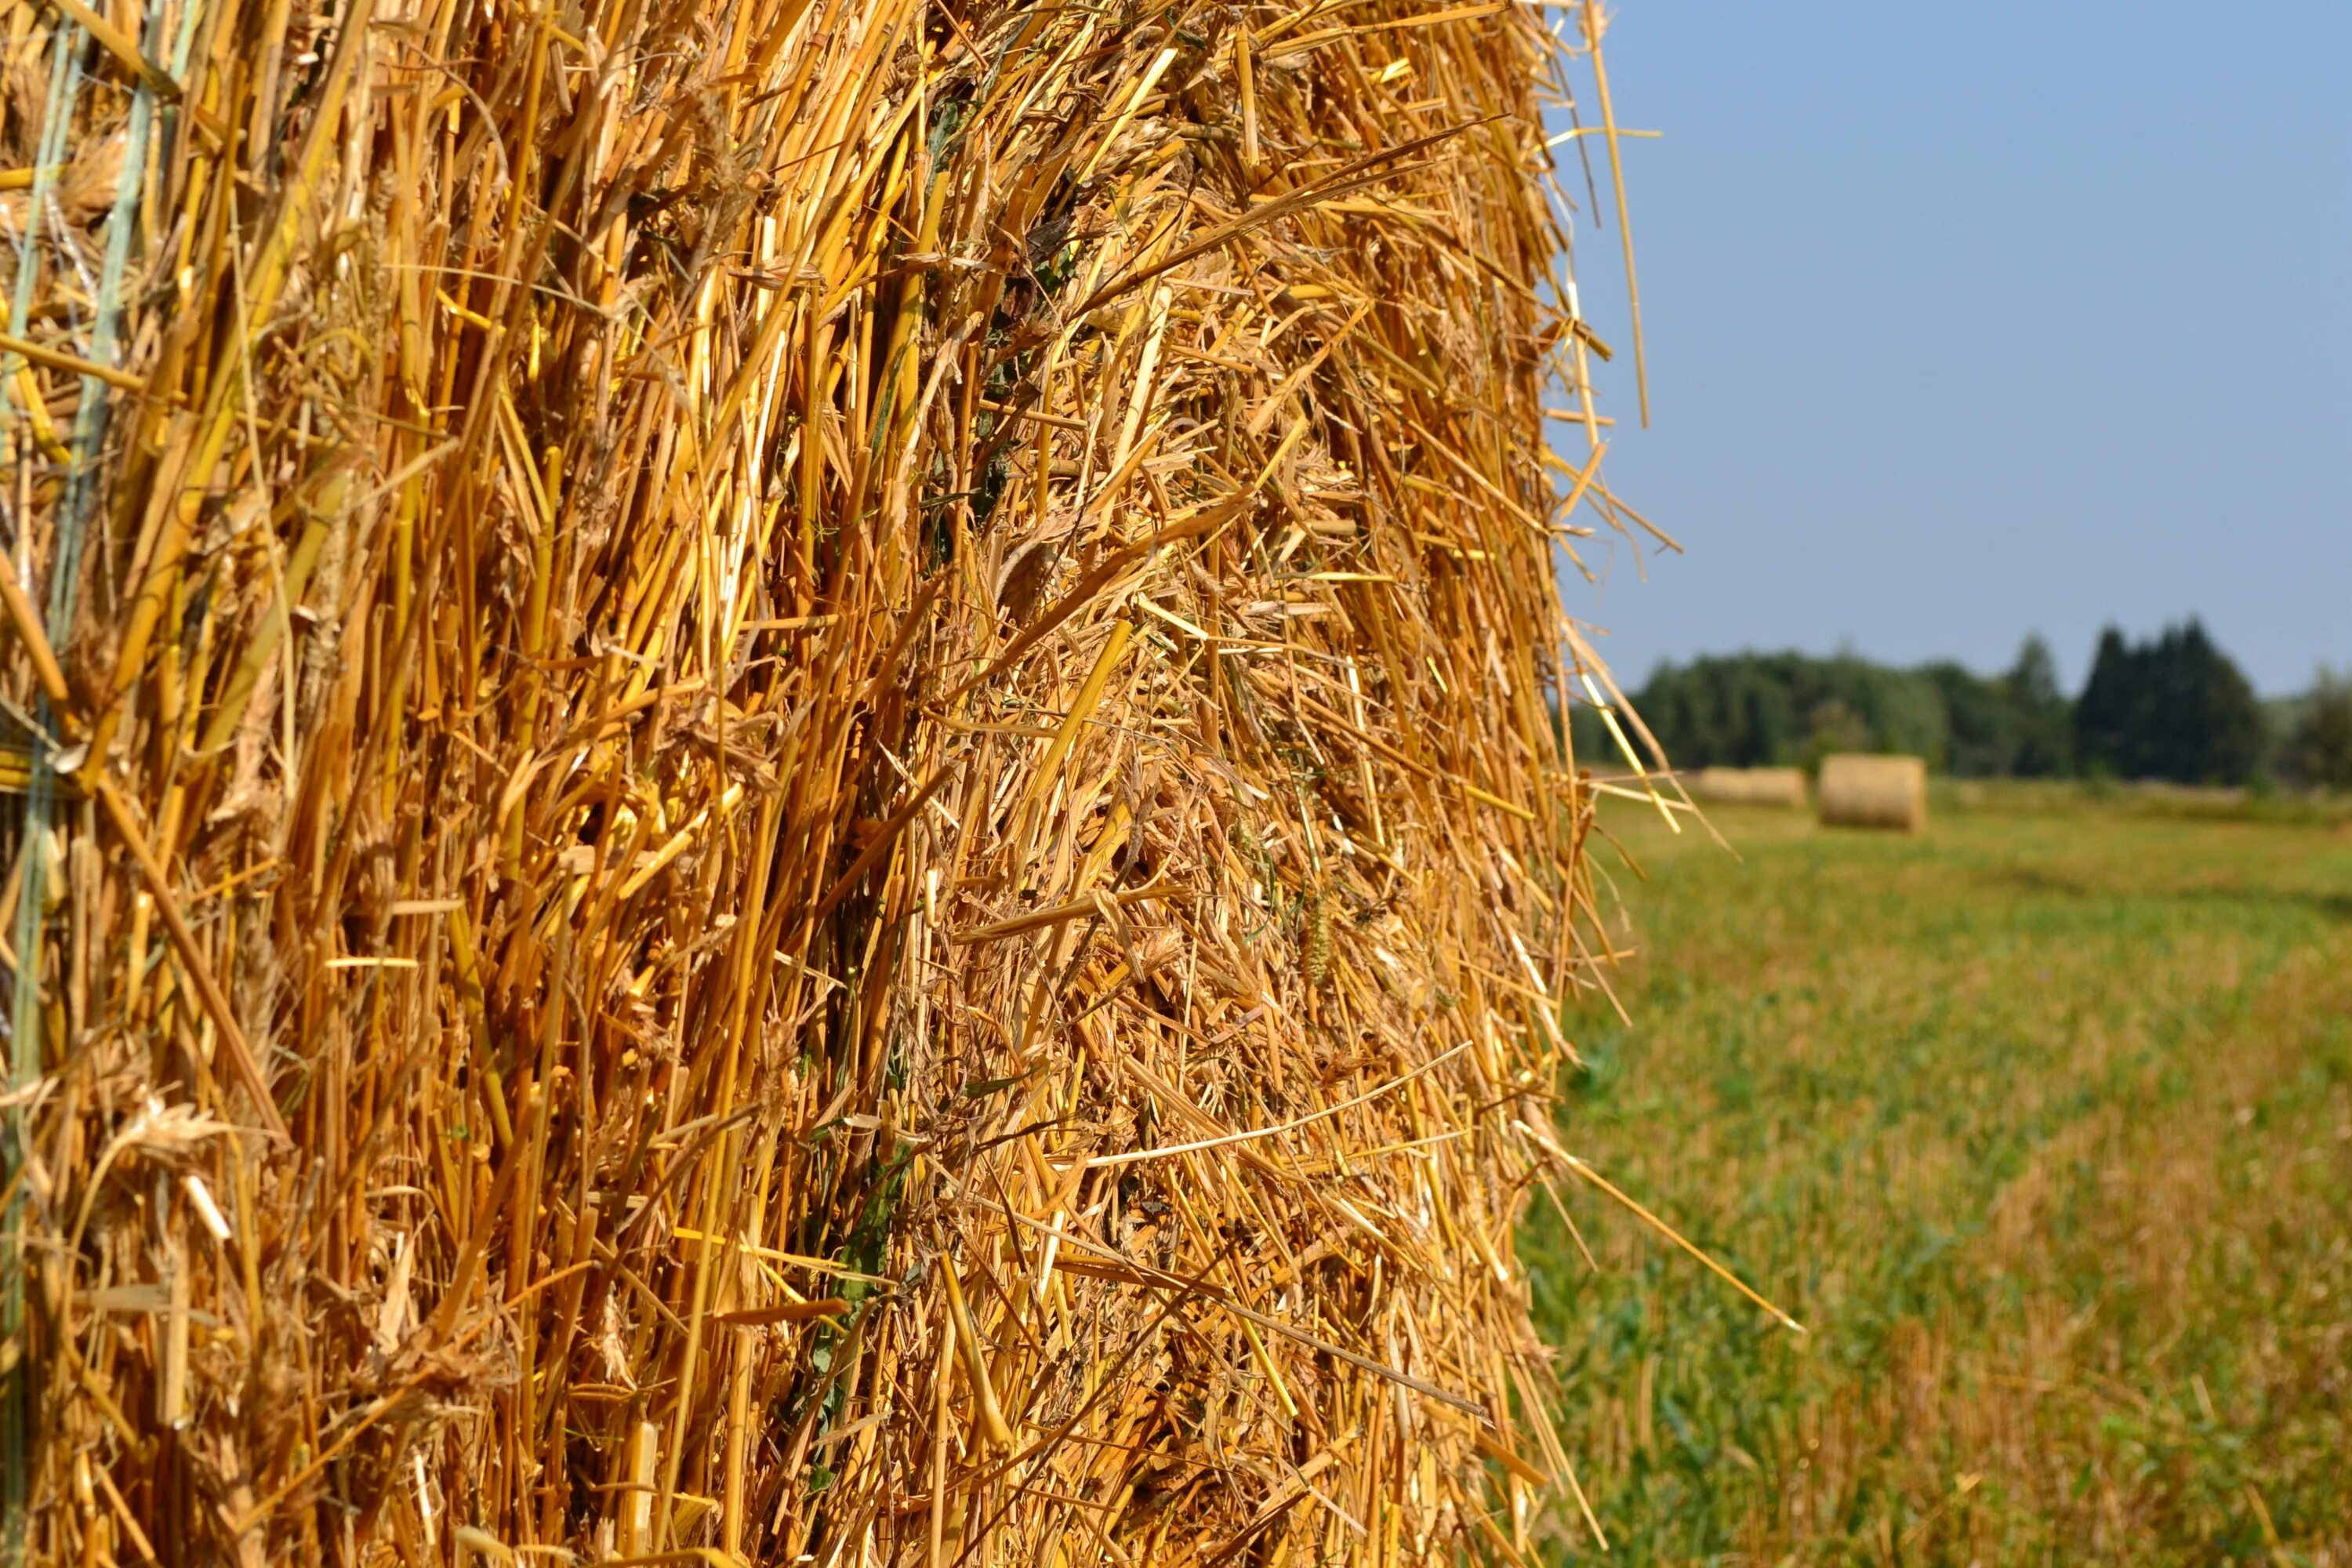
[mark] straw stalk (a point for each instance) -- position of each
(785, 778)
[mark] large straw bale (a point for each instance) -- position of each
(1748, 786)
(799, 792)
(1859, 791)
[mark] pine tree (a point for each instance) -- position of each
(2109, 718)
(2176, 709)
(2044, 722)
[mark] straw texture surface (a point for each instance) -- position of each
(786, 778)
(1875, 792)
(1748, 786)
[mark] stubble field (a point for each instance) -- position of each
(2040, 1124)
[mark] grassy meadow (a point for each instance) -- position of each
(2040, 1124)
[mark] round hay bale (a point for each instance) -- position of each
(780, 985)
(1873, 792)
(1750, 786)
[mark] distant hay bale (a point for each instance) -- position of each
(1873, 792)
(815, 806)
(1748, 786)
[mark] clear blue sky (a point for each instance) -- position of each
(1969, 320)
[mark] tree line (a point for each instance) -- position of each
(2173, 707)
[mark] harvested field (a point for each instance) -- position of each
(2040, 1122)
(787, 785)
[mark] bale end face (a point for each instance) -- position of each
(1873, 792)
(1751, 787)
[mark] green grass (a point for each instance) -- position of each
(2041, 1125)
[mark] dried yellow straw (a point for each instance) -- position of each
(785, 779)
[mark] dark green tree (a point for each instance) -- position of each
(2044, 720)
(1754, 710)
(2111, 720)
(2175, 708)
(1760, 709)
(1983, 729)
(2016, 724)
(2319, 747)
